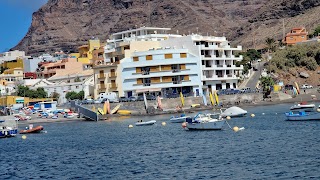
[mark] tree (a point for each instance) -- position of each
(55, 95)
(266, 82)
(77, 79)
(24, 91)
(271, 44)
(316, 31)
(253, 54)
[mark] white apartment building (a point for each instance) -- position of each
(12, 55)
(145, 59)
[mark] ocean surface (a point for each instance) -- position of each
(268, 148)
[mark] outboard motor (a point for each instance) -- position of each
(189, 120)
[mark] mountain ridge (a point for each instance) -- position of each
(65, 25)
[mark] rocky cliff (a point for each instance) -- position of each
(66, 24)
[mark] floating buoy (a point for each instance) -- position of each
(276, 113)
(228, 117)
(252, 115)
(241, 129)
(130, 126)
(235, 129)
(24, 137)
(318, 110)
(163, 123)
(263, 114)
(184, 125)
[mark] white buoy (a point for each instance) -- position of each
(241, 129)
(235, 129)
(252, 115)
(228, 117)
(263, 114)
(276, 113)
(163, 123)
(130, 126)
(24, 137)
(318, 109)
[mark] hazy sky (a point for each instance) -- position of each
(15, 18)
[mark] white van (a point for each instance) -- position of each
(111, 96)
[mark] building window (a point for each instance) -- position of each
(77, 87)
(146, 82)
(183, 55)
(135, 58)
(168, 56)
(149, 57)
(145, 70)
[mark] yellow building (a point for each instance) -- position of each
(10, 100)
(86, 51)
(17, 63)
(12, 75)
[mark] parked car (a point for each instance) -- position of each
(151, 97)
(306, 86)
(245, 90)
(232, 91)
(140, 98)
(172, 95)
(124, 99)
(221, 92)
(88, 101)
(288, 87)
(133, 98)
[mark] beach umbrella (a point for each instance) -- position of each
(216, 96)
(145, 100)
(105, 107)
(211, 99)
(182, 98)
(159, 102)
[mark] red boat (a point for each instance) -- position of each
(32, 129)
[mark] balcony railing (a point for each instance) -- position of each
(113, 86)
(112, 75)
(101, 87)
(176, 70)
(177, 82)
(146, 84)
(101, 76)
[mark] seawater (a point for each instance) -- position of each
(268, 148)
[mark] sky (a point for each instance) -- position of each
(15, 18)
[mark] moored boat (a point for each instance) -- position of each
(8, 128)
(179, 119)
(146, 123)
(204, 122)
(32, 129)
(302, 116)
(303, 106)
(234, 112)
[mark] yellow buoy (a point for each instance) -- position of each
(228, 117)
(318, 110)
(163, 123)
(130, 126)
(24, 137)
(252, 115)
(235, 129)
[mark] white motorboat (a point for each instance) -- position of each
(234, 112)
(141, 123)
(204, 122)
(303, 106)
(179, 119)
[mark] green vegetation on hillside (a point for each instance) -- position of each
(248, 57)
(303, 55)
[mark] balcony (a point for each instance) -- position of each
(101, 76)
(112, 75)
(101, 88)
(177, 82)
(176, 70)
(113, 87)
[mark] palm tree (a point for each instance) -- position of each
(271, 44)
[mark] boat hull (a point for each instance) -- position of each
(37, 129)
(304, 117)
(179, 119)
(148, 123)
(216, 125)
(4, 133)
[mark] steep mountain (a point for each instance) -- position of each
(66, 24)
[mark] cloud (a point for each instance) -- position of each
(32, 5)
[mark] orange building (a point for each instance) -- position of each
(296, 35)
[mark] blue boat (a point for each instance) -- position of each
(8, 128)
(302, 116)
